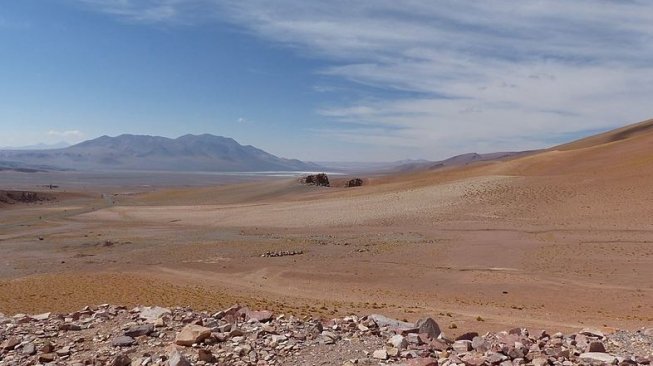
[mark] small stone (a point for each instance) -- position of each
(175, 358)
(121, 360)
(380, 354)
(47, 357)
(462, 346)
(29, 349)
(473, 360)
(63, 351)
(398, 341)
(39, 317)
(139, 330)
(47, 348)
(392, 351)
(191, 334)
(10, 343)
(540, 361)
(123, 341)
(205, 355)
(420, 362)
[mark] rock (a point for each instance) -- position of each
(398, 341)
(420, 362)
(597, 357)
(41, 317)
(317, 179)
(356, 182)
(392, 351)
(540, 361)
(47, 348)
(151, 314)
(63, 351)
(123, 341)
(380, 354)
(140, 330)
(192, 334)
(205, 355)
(260, 316)
(473, 360)
(384, 321)
(592, 332)
(462, 346)
(429, 326)
(121, 360)
(10, 343)
(47, 357)
(480, 344)
(29, 349)
(596, 346)
(175, 358)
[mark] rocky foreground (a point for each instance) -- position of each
(117, 336)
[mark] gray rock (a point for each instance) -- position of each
(462, 346)
(429, 326)
(398, 341)
(123, 341)
(597, 356)
(29, 349)
(380, 354)
(384, 321)
(140, 330)
(153, 313)
(175, 358)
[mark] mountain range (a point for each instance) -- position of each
(154, 153)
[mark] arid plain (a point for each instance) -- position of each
(559, 239)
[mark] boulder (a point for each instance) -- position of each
(140, 330)
(398, 341)
(317, 179)
(356, 182)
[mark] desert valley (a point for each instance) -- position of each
(557, 239)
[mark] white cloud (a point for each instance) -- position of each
(457, 75)
(68, 136)
(241, 120)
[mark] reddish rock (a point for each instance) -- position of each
(420, 362)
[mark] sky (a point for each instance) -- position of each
(378, 80)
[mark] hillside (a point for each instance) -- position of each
(140, 152)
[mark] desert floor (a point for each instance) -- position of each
(480, 248)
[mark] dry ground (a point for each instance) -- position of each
(557, 240)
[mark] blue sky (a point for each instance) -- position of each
(337, 80)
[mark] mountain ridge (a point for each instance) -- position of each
(189, 152)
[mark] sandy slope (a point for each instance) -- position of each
(557, 239)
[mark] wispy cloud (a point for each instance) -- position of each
(68, 136)
(456, 75)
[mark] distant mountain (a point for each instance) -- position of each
(40, 146)
(460, 160)
(141, 152)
